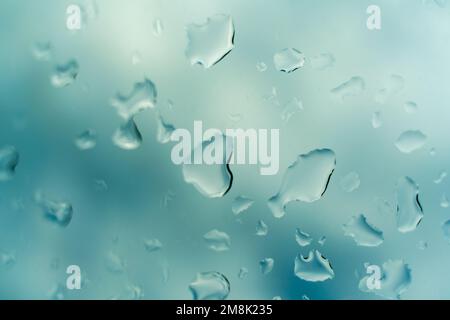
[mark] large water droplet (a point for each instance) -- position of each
(64, 75)
(409, 210)
(288, 60)
(266, 265)
(350, 182)
(86, 140)
(127, 136)
(362, 232)
(142, 96)
(211, 180)
(262, 229)
(314, 268)
(395, 279)
(42, 51)
(303, 239)
(241, 204)
(209, 43)
(164, 131)
(217, 240)
(305, 180)
(210, 286)
(152, 245)
(322, 61)
(410, 141)
(9, 159)
(58, 212)
(353, 87)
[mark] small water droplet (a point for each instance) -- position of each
(211, 180)
(210, 286)
(322, 61)
(58, 212)
(42, 51)
(127, 136)
(261, 67)
(441, 177)
(422, 245)
(377, 121)
(353, 87)
(158, 27)
(410, 141)
(100, 185)
(362, 232)
(395, 279)
(350, 182)
(64, 75)
(9, 159)
(114, 263)
(243, 272)
(209, 43)
(322, 240)
(314, 268)
(432, 152)
(303, 239)
(136, 58)
(277, 298)
(305, 180)
(291, 108)
(241, 204)
(86, 140)
(266, 265)
(409, 210)
(445, 203)
(393, 85)
(131, 292)
(217, 240)
(262, 229)
(143, 96)
(152, 245)
(7, 259)
(288, 60)
(410, 107)
(164, 130)
(446, 229)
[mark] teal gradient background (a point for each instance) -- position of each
(42, 122)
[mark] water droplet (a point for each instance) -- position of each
(42, 51)
(290, 109)
(262, 229)
(58, 212)
(441, 177)
(64, 75)
(152, 245)
(7, 259)
(409, 210)
(445, 203)
(142, 96)
(209, 43)
(305, 298)
(158, 27)
(127, 136)
(303, 239)
(9, 159)
(305, 180)
(164, 130)
(211, 180)
(86, 140)
(131, 292)
(410, 107)
(266, 265)
(322, 240)
(423, 245)
(377, 121)
(114, 263)
(277, 298)
(362, 232)
(261, 67)
(393, 85)
(217, 240)
(350, 182)
(395, 279)
(210, 286)
(322, 61)
(288, 60)
(136, 58)
(353, 87)
(432, 152)
(241, 204)
(100, 185)
(314, 268)
(243, 273)
(410, 141)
